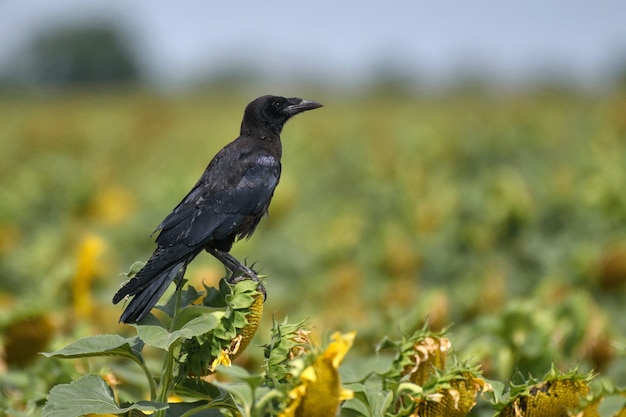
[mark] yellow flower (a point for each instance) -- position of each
(320, 391)
(89, 252)
(222, 359)
(112, 205)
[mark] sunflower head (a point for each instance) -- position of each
(452, 394)
(319, 391)
(418, 356)
(557, 395)
(288, 342)
(242, 305)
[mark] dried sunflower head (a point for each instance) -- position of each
(556, 395)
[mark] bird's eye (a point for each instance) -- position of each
(278, 104)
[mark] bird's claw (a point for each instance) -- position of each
(243, 273)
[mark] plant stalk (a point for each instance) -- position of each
(165, 383)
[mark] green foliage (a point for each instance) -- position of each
(89, 395)
(188, 322)
(502, 214)
(287, 341)
(420, 380)
(557, 393)
(101, 345)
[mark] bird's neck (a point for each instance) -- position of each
(261, 130)
(273, 145)
(270, 143)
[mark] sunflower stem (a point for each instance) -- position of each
(165, 383)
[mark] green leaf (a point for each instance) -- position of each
(248, 285)
(101, 345)
(213, 298)
(157, 336)
(198, 388)
(225, 287)
(187, 296)
(611, 406)
(89, 395)
(498, 391)
(226, 330)
(237, 372)
(411, 388)
(198, 408)
(367, 401)
(134, 268)
(187, 314)
(241, 301)
(242, 393)
(360, 404)
(152, 320)
(387, 343)
(239, 320)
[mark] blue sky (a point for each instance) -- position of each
(345, 40)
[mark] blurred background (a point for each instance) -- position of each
(468, 168)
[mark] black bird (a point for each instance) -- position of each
(225, 205)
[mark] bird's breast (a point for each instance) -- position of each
(266, 160)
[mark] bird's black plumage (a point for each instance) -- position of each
(226, 204)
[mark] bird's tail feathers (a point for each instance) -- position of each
(159, 263)
(145, 295)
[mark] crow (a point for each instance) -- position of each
(226, 204)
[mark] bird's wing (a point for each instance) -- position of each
(206, 214)
(254, 188)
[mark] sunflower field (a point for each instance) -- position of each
(460, 253)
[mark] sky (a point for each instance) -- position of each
(345, 40)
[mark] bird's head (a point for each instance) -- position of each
(270, 113)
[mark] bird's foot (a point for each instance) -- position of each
(243, 273)
(239, 271)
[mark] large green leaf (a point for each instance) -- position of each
(198, 407)
(189, 313)
(198, 388)
(367, 401)
(242, 393)
(89, 395)
(212, 395)
(237, 372)
(101, 345)
(181, 298)
(160, 337)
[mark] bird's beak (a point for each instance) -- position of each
(298, 105)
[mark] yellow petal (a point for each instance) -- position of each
(296, 395)
(308, 374)
(112, 205)
(320, 391)
(338, 348)
(89, 252)
(345, 394)
(222, 359)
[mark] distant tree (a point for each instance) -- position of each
(619, 71)
(83, 55)
(391, 76)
